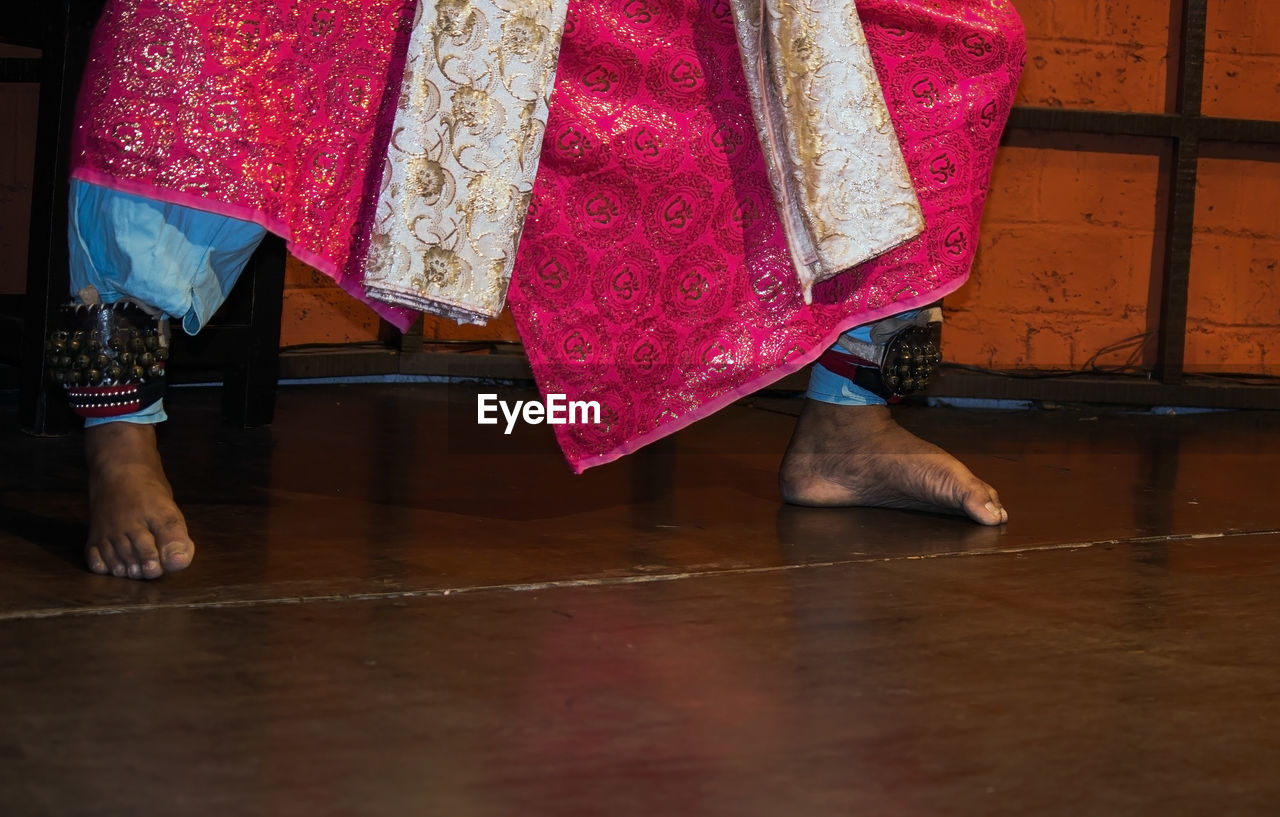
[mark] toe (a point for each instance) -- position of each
(985, 507)
(178, 550)
(128, 556)
(994, 514)
(177, 555)
(998, 505)
(94, 558)
(985, 514)
(980, 503)
(148, 558)
(111, 560)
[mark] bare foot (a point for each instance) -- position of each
(857, 455)
(135, 528)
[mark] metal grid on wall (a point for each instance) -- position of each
(1182, 136)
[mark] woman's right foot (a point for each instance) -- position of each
(135, 527)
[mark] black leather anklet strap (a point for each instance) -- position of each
(109, 357)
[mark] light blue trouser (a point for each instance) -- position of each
(176, 259)
(184, 261)
(826, 386)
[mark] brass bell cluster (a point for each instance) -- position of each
(913, 358)
(107, 350)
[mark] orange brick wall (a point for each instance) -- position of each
(1242, 59)
(1233, 307)
(1105, 54)
(317, 311)
(1065, 265)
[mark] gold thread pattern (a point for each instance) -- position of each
(463, 155)
(841, 185)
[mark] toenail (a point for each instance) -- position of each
(118, 570)
(172, 549)
(993, 510)
(135, 571)
(151, 565)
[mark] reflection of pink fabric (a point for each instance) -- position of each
(266, 110)
(652, 275)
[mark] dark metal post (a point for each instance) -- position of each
(1182, 169)
(68, 24)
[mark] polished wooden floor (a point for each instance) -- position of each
(397, 612)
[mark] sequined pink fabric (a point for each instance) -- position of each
(652, 275)
(272, 111)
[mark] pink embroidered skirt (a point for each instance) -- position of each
(652, 274)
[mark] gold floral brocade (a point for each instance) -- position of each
(463, 155)
(839, 179)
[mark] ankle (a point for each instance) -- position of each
(113, 444)
(830, 418)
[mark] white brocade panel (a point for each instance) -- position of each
(838, 175)
(463, 155)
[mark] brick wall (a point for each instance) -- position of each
(1105, 54)
(1233, 307)
(1064, 265)
(1233, 320)
(1066, 268)
(1065, 262)
(1242, 59)
(316, 311)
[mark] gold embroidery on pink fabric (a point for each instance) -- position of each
(654, 277)
(262, 110)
